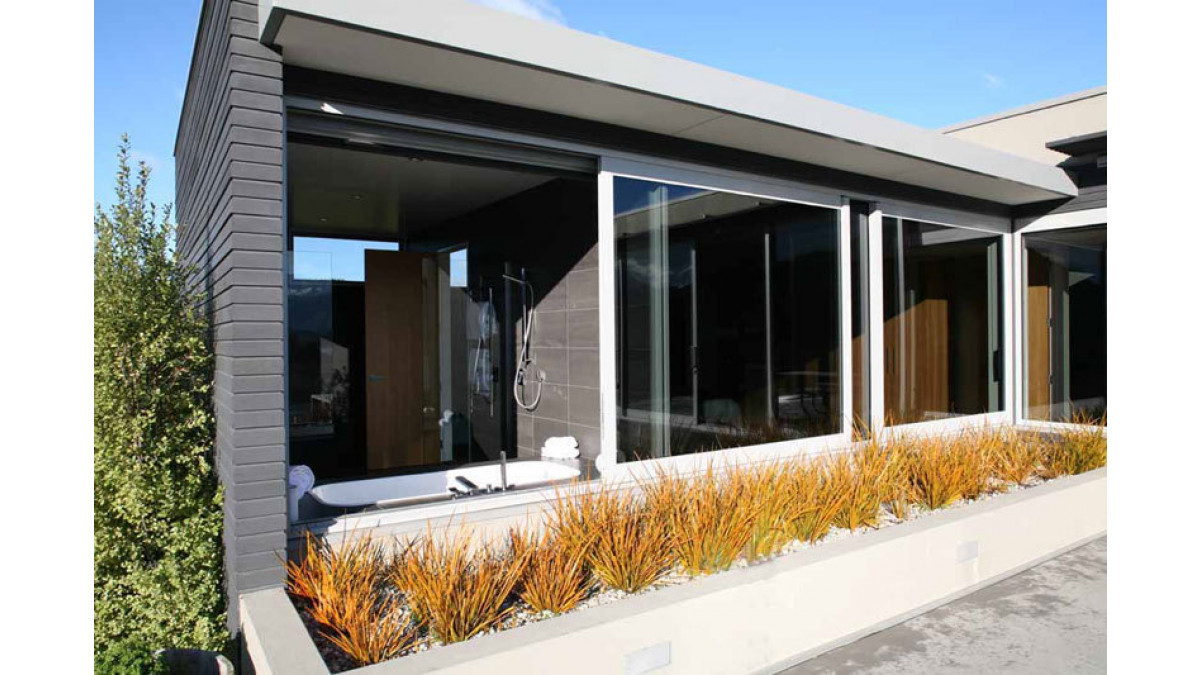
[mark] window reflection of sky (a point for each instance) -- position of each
(317, 259)
(458, 268)
(630, 194)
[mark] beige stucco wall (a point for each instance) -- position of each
(1026, 131)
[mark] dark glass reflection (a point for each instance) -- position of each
(1066, 313)
(943, 322)
(728, 321)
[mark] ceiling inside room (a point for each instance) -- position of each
(354, 193)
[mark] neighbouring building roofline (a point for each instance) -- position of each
(1026, 109)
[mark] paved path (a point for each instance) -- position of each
(1049, 619)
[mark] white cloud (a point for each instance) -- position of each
(540, 10)
(992, 81)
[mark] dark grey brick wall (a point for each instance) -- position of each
(229, 193)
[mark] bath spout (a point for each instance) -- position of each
(471, 488)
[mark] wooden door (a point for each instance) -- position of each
(917, 351)
(401, 417)
(1037, 332)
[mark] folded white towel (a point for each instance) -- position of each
(560, 447)
(560, 453)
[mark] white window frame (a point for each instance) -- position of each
(1048, 223)
(733, 182)
(962, 220)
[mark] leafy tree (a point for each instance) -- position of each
(157, 575)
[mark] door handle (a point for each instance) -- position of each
(376, 378)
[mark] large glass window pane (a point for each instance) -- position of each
(942, 337)
(1066, 311)
(728, 320)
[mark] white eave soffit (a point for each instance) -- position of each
(458, 47)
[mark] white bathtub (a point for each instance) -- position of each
(399, 490)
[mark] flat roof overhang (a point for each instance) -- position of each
(457, 47)
(1081, 145)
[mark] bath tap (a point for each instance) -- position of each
(470, 487)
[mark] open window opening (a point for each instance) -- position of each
(427, 317)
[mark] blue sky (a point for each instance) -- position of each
(927, 63)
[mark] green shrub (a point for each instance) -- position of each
(129, 658)
(157, 570)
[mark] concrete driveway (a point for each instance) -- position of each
(1049, 619)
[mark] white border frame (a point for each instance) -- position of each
(732, 182)
(1049, 223)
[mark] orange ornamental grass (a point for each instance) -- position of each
(860, 476)
(766, 485)
(711, 518)
(812, 502)
(339, 585)
(557, 577)
(573, 516)
(971, 448)
(630, 545)
(456, 589)
(331, 579)
(1015, 460)
(1077, 449)
(939, 472)
(376, 630)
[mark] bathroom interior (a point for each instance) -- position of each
(442, 313)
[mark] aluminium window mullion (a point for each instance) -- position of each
(875, 312)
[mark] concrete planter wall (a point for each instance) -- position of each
(759, 618)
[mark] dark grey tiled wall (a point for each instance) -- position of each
(550, 231)
(566, 347)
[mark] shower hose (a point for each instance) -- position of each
(524, 361)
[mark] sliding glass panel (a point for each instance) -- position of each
(728, 321)
(860, 322)
(943, 353)
(1066, 311)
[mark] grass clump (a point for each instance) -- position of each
(1076, 450)
(767, 487)
(332, 580)
(1015, 461)
(813, 502)
(458, 590)
(860, 476)
(557, 577)
(711, 518)
(630, 544)
(376, 629)
(341, 588)
(939, 475)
